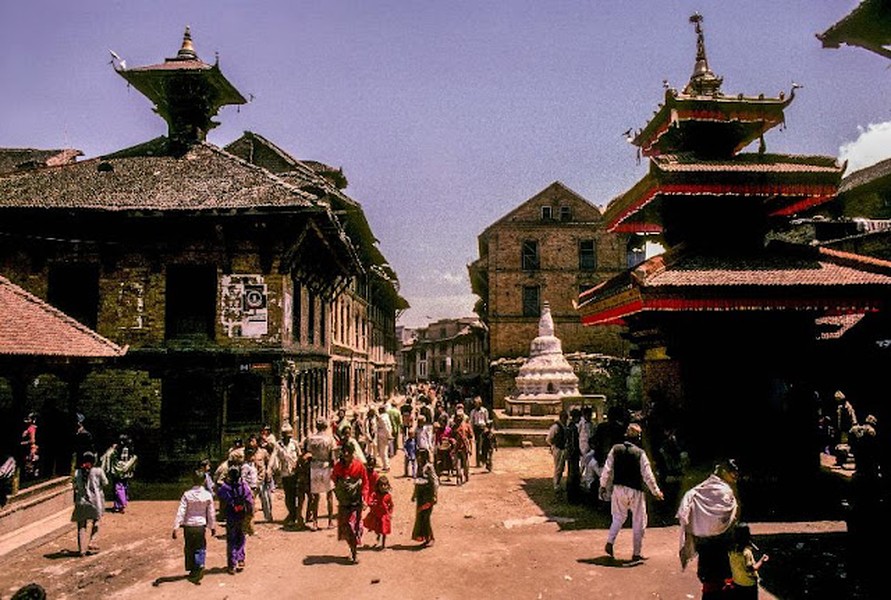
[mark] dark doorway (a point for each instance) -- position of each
(74, 289)
(191, 301)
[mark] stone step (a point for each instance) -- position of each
(504, 421)
(516, 437)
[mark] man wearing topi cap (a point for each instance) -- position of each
(284, 463)
(627, 470)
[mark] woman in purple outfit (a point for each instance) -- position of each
(239, 503)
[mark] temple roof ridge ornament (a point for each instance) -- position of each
(187, 51)
(703, 82)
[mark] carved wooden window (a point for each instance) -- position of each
(531, 300)
(529, 255)
(587, 255)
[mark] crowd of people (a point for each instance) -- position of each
(350, 458)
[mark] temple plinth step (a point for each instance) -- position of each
(521, 437)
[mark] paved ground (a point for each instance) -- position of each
(503, 534)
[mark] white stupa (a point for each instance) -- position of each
(547, 377)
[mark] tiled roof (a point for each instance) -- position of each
(748, 163)
(866, 176)
(16, 159)
(31, 327)
(147, 177)
(788, 184)
(822, 267)
(866, 26)
(782, 277)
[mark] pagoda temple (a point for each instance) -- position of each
(728, 323)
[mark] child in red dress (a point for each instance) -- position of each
(379, 517)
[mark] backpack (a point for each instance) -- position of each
(239, 502)
(560, 436)
(7, 469)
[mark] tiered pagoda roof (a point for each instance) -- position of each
(714, 206)
(187, 92)
(693, 141)
(781, 277)
(784, 184)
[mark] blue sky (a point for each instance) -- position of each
(444, 115)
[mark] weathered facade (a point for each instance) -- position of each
(549, 248)
(448, 351)
(225, 280)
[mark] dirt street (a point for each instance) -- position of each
(502, 534)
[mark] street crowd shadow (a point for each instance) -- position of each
(326, 559)
(184, 576)
(569, 517)
(64, 553)
(609, 561)
(406, 547)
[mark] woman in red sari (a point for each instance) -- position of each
(350, 486)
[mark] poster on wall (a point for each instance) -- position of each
(244, 305)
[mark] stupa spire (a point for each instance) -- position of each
(187, 52)
(703, 82)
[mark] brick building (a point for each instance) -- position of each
(549, 248)
(448, 351)
(239, 290)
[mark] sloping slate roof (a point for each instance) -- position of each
(865, 177)
(147, 177)
(31, 327)
(11, 159)
(866, 26)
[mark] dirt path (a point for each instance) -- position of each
(494, 535)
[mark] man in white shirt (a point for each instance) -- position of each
(382, 436)
(479, 417)
(284, 462)
(195, 514)
(627, 470)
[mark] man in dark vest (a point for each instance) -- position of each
(557, 441)
(626, 471)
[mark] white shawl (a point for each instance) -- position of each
(707, 510)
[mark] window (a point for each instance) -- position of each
(566, 213)
(297, 312)
(529, 258)
(244, 402)
(587, 255)
(191, 301)
(74, 289)
(311, 319)
(322, 321)
(531, 306)
(547, 213)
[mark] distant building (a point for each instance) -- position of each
(14, 160)
(448, 351)
(252, 289)
(550, 248)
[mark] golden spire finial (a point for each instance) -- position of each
(188, 50)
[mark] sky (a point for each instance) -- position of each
(444, 115)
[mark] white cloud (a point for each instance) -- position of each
(447, 278)
(426, 309)
(871, 146)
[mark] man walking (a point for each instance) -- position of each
(627, 470)
(284, 462)
(479, 416)
(557, 441)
